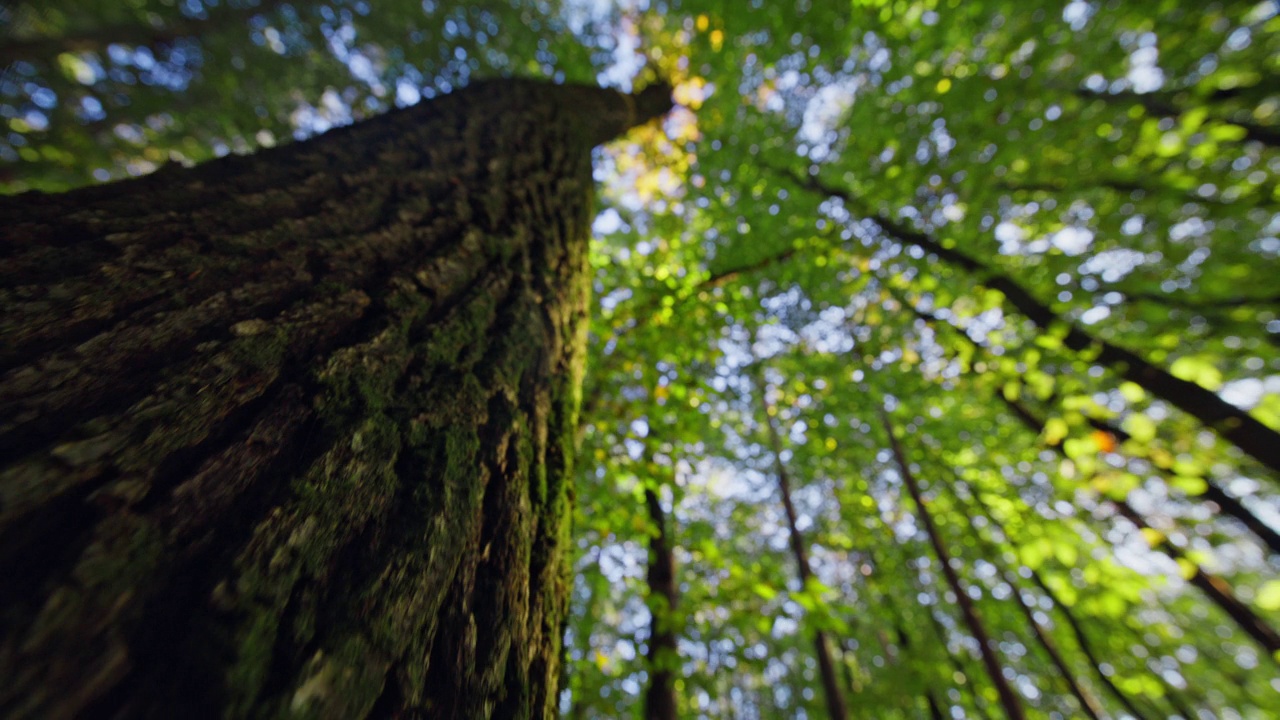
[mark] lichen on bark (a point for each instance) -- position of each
(289, 435)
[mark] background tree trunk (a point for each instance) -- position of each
(293, 431)
(660, 696)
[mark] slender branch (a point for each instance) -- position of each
(1012, 705)
(1113, 184)
(1230, 422)
(1162, 105)
(1170, 300)
(1213, 492)
(836, 708)
(931, 700)
(1215, 588)
(1088, 703)
(1077, 628)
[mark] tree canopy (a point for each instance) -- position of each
(922, 322)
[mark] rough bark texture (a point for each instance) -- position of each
(290, 434)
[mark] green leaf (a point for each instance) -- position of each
(1268, 597)
(1140, 427)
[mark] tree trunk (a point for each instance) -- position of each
(1234, 425)
(1213, 491)
(292, 432)
(832, 694)
(660, 696)
(1008, 699)
(1215, 588)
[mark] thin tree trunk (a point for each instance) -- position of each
(836, 708)
(1230, 422)
(1213, 492)
(292, 432)
(1008, 699)
(935, 711)
(660, 696)
(956, 665)
(1087, 648)
(1077, 629)
(1082, 639)
(1215, 588)
(931, 700)
(1088, 703)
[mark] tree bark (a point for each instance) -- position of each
(292, 432)
(660, 696)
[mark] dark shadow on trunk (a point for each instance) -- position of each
(292, 432)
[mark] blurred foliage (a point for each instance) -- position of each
(96, 89)
(1117, 161)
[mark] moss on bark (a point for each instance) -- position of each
(290, 434)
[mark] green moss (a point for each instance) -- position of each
(360, 381)
(343, 685)
(261, 351)
(127, 551)
(537, 471)
(255, 644)
(353, 480)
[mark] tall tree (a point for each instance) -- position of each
(293, 431)
(1233, 424)
(986, 648)
(660, 697)
(832, 691)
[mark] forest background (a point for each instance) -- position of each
(987, 281)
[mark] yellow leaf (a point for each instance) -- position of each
(1055, 430)
(1140, 427)
(1269, 596)
(1190, 484)
(1132, 392)
(944, 85)
(717, 40)
(1152, 536)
